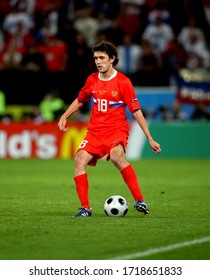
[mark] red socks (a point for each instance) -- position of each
(81, 182)
(130, 178)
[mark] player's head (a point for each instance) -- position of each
(107, 48)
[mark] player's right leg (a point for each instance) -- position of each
(81, 161)
(81, 180)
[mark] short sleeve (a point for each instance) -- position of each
(129, 95)
(85, 93)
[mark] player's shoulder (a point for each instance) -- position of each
(120, 75)
(93, 76)
(123, 78)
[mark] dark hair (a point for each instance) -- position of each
(107, 48)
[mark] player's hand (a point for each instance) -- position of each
(62, 124)
(155, 146)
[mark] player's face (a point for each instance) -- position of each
(103, 62)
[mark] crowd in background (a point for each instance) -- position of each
(154, 38)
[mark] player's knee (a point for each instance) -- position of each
(116, 156)
(80, 159)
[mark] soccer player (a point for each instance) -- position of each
(108, 129)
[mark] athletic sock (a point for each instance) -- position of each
(130, 178)
(81, 182)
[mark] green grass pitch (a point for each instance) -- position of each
(38, 200)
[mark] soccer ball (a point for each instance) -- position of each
(116, 206)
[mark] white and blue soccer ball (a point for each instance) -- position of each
(116, 206)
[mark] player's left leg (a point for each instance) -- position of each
(117, 156)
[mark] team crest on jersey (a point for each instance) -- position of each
(114, 93)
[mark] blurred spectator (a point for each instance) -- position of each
(19, 36)
(47, 12)
(68, 10)
(4, 117)
(159, 9)
(178, 113)
(191, 28)
(108, 7)
(15, 17)
(79, 55)
(86, 24)
(33, 116)
(173, 59)
(193, 41)
(2, 104)
(129, 56)
(33, 59)
(67, 32)
(55, 53)
(67, 29)
(196, 9)
(24, 5)
(163, 113)
(113, 34)
(206, 6)
(200, 112)
(104, 23)
(133, 6)
(158, 34)
(44, 7)
(150, 68)
(49, 25)
(46, 30)
(52, 106)
(197, 53)
(128, 19)
(11, 55)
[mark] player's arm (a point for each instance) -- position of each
(75, 106)
(139, 117)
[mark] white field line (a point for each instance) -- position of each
(162, 249)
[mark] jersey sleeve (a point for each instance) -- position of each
(85, 93)
(129, 95)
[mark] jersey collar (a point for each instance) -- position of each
(111, 77)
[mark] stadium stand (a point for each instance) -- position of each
(47, 43)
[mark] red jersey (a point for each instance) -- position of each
(109, 101)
